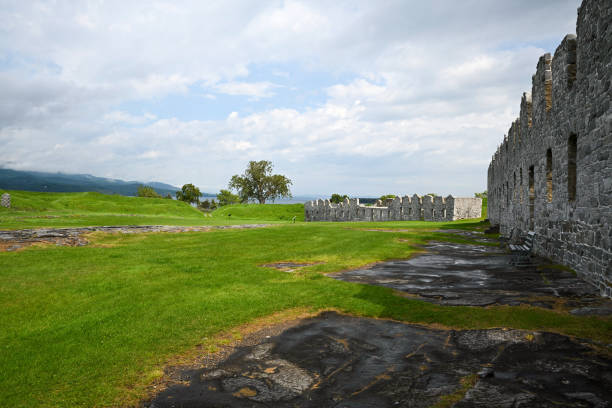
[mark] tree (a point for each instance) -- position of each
(147, 191)
(258, 183)
(386, 197)
(482, 195)
(189, 193)
(337, 198)
(226, 197)
(204, 205)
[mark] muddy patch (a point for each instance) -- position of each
(481, 275)
(13, 240)
(289, 266)
(343, 361)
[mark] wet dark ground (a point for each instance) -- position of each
(340, 361)
(13, 240)
(481, 275)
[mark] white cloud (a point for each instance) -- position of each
(119, 117)
(149, 154)
(255, 90)
(416, 83)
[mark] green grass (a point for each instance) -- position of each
(92, 326)
(98, 203)
(276, 212)
(84, 326)
(33, 210)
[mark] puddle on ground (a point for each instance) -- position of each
(481, 275)
(343, 361)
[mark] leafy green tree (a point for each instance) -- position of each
(204, 205)
(226, 197)
(168, 196)
(337, 198)
(386, 197)
(258, 183)
(147, 191)
(482, 195)
(189, 193)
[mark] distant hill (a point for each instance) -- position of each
(66, 183)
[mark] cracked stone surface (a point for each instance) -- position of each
(342, 361)
(481, 275)
(11, 240)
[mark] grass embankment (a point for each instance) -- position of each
(92, 326)
(32, 210)
(256, 212)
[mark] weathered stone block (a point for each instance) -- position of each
(6, 200)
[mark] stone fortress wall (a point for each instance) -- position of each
(426, 208)
(552, 173)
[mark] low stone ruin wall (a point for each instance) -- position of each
(415, 208)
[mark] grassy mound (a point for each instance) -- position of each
(98, 203)
(267, 212)
(34, 209)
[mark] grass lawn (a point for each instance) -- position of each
(34, 210)
(92, 326)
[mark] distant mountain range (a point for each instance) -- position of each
(66, 183)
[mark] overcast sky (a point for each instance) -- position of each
(357, 97)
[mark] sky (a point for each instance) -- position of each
(353, 97)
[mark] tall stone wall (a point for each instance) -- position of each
(399, 209)
(552, 173)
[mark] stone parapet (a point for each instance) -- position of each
(405, 208)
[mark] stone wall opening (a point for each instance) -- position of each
(507, 195)
(548, 84)
(571, 166)
(570, 43)
(549, 181)
(531, 198)
(521, 185)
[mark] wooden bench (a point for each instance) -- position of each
(522, 252)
